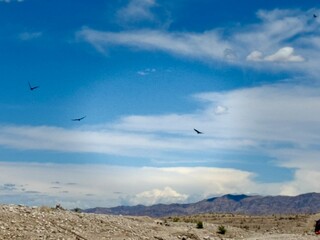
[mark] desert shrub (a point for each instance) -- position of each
(194, 220)
(222, 229)
(246, 227)
(176, 219)
(45, 209)
(77, 210)
(199, 224)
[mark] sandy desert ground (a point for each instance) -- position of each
(21, 222)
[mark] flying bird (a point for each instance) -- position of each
(78, 119)
(315, 15)
(197, 131)
(32, 88)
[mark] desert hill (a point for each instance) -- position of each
(21, 222)
(244, 204)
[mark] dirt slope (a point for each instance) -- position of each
(20, 222)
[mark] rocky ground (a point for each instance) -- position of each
(21, 222)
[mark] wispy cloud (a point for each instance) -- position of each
(65, 140)
(25, 36)
(9, 1)
(8, 187)
(137, 10)
(264, 113)
(276, 36)
(255, 56)
(238, 119)
(275, 28)
(258, 121)
(279, 121)
(146, 71)
(206, 45)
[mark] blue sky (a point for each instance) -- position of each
(145, 73)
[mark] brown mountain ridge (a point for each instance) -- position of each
(239, 204)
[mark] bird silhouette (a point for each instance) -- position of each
(78, 119)
(32, 88)
(197, 131)
(315, 15)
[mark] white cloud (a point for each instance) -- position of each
(165, 196)
(276, 14)
(221, 110)
(276, 27)
(142, 73)
(207, 45)
(285, 54)
(48, 184)
(239, 120)
(306, 163)
(230, 54)
(117, 140)
(267, 113)
(168, 185)
(9, 1)
(147, 71)
(255, 42)
(25, 36)
(102, 140)
(255, 56)
(279, 121)
(137, 10)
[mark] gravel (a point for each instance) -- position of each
(22, 222)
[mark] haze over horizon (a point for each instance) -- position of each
(144, 74)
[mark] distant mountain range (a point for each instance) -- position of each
(244, 204)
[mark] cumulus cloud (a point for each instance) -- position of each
(168, 185)
(31, 184)
(305, 161)
(165, 196)
(285, 54)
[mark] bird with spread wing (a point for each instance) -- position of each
(32, 87)
(78, 119)
(197, 131)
